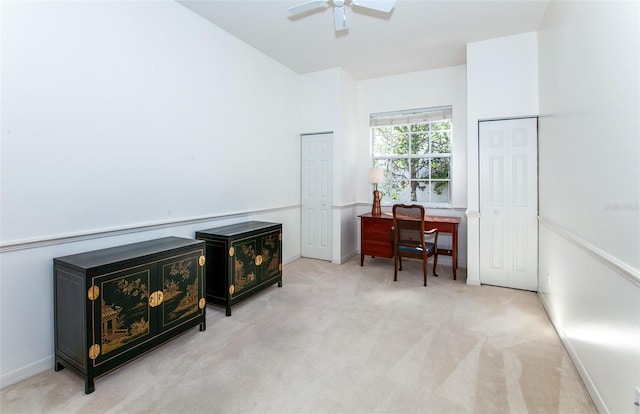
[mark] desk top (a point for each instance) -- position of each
(432, 219)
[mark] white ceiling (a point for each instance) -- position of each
(416, 35)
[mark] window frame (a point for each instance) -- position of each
(429, 116)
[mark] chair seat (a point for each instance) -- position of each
(430, 248)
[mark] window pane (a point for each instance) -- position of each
(419, 127)
(441, 125)
(440, 192)
(419, 143)
(422, 191)
(394, 191)
(440, 168)
(440, 142)
(419, 168)
(398, 170)
(396, 178)
(387, 142)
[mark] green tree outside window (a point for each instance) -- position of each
(416, 159)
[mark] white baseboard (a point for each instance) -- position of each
(25, 372)
(584, 375)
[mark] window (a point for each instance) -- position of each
(414, 149)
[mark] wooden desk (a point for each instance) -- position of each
(376, 237)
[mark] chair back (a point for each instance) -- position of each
(408, 223)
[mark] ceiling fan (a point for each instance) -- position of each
(339, 8)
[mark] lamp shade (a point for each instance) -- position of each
(376, 175)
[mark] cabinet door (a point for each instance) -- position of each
(243, 265)
(270, 255)
(181, 281)
(122, 316)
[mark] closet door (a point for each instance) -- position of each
(316, 176)
(509, 203)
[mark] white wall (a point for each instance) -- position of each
(590, 191)
(349, 172)
(126, 121)
(502, 82)
(438, 87)
(328, 101)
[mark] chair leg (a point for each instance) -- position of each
(435, 262)
(424, 269)
(400, 261)
(395, 268)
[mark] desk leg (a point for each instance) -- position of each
(361, 259)
(454, 258)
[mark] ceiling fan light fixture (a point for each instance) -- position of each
(340, 17)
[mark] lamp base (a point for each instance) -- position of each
(376, 210)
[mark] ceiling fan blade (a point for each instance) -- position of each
(308, 6)
(380, 5)
(340, 17)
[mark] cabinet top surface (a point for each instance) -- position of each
(235, 229)
(125, 252)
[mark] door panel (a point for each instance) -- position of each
(122, 315)
(181, 280)
(316, 195)
(509, 203)
(271, 256)
(245, 272)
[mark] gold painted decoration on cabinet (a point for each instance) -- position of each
(93, 293)
(280, 236)
(202, 303)
(280, 267)
(94, 351)
(232, 251)
(232, 289)
(202, 260)
(258, 260)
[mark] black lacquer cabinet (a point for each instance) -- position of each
(242, 259)
(115, 304)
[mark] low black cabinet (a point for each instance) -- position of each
(242, 259)
(115, 304)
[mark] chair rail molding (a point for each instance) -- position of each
(620, 267)
(44, 241)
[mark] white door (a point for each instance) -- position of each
(509, 203)
(317, 156)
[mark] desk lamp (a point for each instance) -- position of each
(375, 177)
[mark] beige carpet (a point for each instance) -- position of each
(342, 339)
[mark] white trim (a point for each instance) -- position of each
(472, 214)
(575, 358)
(347, 205)
(25, 372)
(622, 268)
(115, 231)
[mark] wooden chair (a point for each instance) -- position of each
(409, 238)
